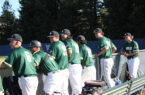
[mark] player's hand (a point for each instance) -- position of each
(2, 66)
(97, 55)
(126, 54)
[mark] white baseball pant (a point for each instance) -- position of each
(1, 92)
(75, 71)
(133, 65)
(28, 85)
(52, 83)
(44, 78)
(106, 68)
(88, 73)
(64, 85)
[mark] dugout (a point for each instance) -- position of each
(118, 71)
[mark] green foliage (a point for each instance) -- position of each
(39, 17)
(7, 22)
(124, 16)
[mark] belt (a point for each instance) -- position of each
(132, 57)
(50, 72)
(72, 63)
(26, 75)
(105, 57)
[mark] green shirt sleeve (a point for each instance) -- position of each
(10, 60)
(136, 47)
(37, 59)
(68, 46)
(53, 52)
(105, 44)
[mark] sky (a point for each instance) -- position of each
(15, 6)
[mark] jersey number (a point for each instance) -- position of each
(28, 56)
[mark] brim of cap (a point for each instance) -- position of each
(52, 36)
(10, 39)
(126, 35)
(33, 46)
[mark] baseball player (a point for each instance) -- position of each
(89, 70)
(75, 68)
(106, 48)
(131, 51)
(22, 62)
(48, 66)
(58, 52)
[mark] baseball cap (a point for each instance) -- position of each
(35, 43)
(98, 30)
(16, 37)
(53, 34)
(66, 31)
(81, 38)
(127, 34)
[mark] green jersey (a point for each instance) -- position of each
(22, 62)
(45, 61)
(130, 48)
(106, 43)
(58, 51)
(75, 56)
(86, 55)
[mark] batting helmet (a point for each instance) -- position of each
(35, 43)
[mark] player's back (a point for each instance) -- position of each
(22, 62)
(58, 51)
(46, 62)
(75, 56)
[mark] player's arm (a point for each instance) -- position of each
(114, 48)
(69, 52)
(69, 49)
(2, 66)
(103, 51)
(132, 54)
(81, 54)
(104, 47)
(37, 60)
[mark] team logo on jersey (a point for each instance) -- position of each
(128, 48)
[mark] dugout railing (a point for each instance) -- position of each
(128, 88)
(119, 71)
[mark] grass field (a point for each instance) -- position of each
(2, 58)
(7, 71)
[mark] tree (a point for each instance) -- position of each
(39, 17)
(7, 22)
(124, 16)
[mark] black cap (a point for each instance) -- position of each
(81, 38)
(35, 43)
(66, 31)
(127, 34)
(16, 37)
(53, 34)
